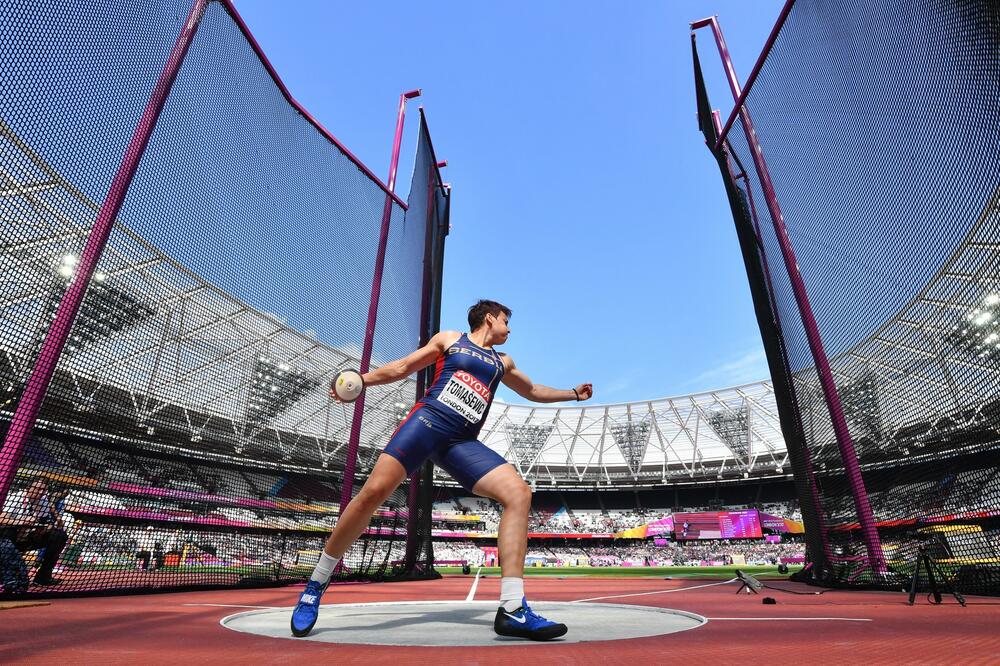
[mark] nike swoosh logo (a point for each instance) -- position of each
(520, 620)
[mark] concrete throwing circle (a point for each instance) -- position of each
(458, 623)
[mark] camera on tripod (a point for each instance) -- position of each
(925, 537)
(931, 545)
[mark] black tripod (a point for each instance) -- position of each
(749, 583)
(932, 567)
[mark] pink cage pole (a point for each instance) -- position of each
(41, 375)
(351, 462)
(848, 455)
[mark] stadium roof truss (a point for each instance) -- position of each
(650, 442)
(932, 372)
(175, 357)
(161, 348)
(934, 367)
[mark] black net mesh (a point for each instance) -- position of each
(744, 210)
(186, 438)
(879, 124)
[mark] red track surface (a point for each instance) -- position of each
(164, 628)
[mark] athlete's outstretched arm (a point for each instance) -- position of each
(522, 385)
(418, 360)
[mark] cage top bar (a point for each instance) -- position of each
(231, 8)
(741, 95)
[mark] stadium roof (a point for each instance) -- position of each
(162, 357)
(724, 433)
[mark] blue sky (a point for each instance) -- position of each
(584, 197)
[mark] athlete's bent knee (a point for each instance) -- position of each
(374, 493)
(517, 496)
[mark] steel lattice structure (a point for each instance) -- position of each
(929, 374)
(943, 343)
(652, 442)
(205, 371)
(197, 358)
(185, 363)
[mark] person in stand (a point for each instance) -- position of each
(444, 426)
(149, 552)
(35, 524)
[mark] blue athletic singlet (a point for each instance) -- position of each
(465, 377)
(445, 423)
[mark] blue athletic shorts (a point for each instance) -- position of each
(421, 436)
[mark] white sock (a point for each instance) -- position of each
(324, 568)
(511, 593)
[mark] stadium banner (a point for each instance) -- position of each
(571, 535)
(456, 518)
(307, 558)
(782, 525)
(451, 534)
(137, 490)
(633, 533)
(661, 526)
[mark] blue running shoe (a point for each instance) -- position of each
(307, 610)
(525, 623)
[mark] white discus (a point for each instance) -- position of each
(348, 385)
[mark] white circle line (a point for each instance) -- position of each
(700, 619)
(646, 594)
(794, 619)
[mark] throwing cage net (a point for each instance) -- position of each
(173, 428)
(878, 125)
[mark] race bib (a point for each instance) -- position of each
(465, 395)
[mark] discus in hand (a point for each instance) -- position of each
(347, 385)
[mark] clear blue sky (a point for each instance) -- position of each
(584, 197)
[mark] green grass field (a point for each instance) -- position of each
(769, 572)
